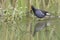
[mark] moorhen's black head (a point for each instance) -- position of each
(33, 8)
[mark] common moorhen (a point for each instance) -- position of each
(39, 13)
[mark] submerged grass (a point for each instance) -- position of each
(16, 23)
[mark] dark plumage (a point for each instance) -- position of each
(39, 13)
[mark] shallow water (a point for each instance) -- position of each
(29, 28)
(46, 29)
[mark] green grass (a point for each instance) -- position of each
(16, 22)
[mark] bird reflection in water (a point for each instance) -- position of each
(39, 26)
